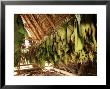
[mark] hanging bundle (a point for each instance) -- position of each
(78, 38)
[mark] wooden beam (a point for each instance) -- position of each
(38, 27)
(26, 26)
(64, 72)
(36, 18)
(50, 21)
(31, 27)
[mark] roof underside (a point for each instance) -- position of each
(40, 25)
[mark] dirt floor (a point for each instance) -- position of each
(71, 69)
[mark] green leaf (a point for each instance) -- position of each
(62, 33)
(57, 38)
(78, 40)
(22, 30)
(69, 32)
(55, 58)
(65, 58)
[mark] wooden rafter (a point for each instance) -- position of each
(26, 26)
(50, 21)
(32, 27)
(39, 25)
(36, 30)
(40, 29)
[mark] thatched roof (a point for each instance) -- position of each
(40, 25)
